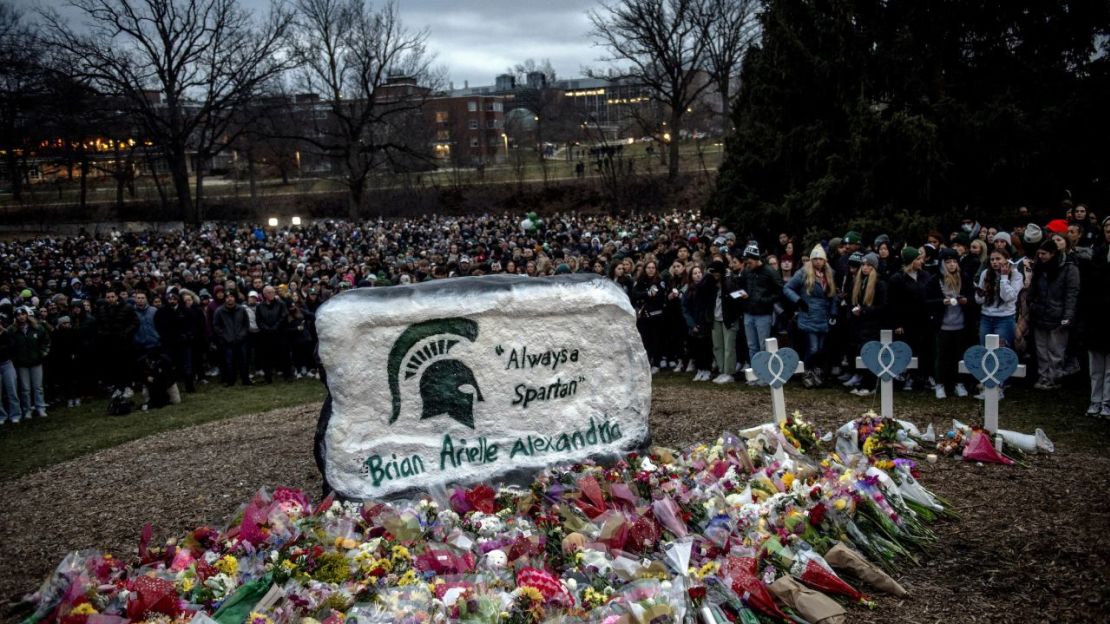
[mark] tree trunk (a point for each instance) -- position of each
(672, 147)
(354, 198)
(84, 195)
(14, 175)
(178, 164)
(726, 125)
(198, 170)
(252, 178)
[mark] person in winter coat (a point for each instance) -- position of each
(649, 297)
(229, 329)
(116, 324)
(907, 293)
(146, 336)
(674, 325)
(65, 358)
(1053, 301)
(698, 329)
(272, 317)
(997, 293)
(951, 300)
(11, 411)
(30, 348)
(301, 339)
(170, 322)
(762, 288)
(813, 291)
(868, 313)
(718, 307)
(196, 328)
(1094, 301)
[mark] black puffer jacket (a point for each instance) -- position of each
(764, 286)
(1094, 300)
(1054, 294)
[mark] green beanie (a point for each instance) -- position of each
(909, 254)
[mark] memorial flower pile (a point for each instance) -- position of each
(768, 526)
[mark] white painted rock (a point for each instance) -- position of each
(471, 379)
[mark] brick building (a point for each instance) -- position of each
(468, 129)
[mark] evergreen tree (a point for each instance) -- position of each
(892, 114)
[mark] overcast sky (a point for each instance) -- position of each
(478, 39)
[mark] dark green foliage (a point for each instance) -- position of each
(897, 115)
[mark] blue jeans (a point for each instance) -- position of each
(31, 397)
(757, 329)
(1004, 326)
(815, 341)
(10, 382)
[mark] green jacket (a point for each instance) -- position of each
(29, 348)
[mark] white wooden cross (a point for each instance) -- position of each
(992, 395)
(775, 370)
(886, 386)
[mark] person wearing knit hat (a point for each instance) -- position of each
(961, 239)
(1033, 234)
(867, 303)
(762, 288)
(1002, 240)
(813, 291)
(909, 311)
(853, 237)
(1053, 296)
(855, 259)
(1057, 226)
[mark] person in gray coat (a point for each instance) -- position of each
(230, 328)
(1053, 298)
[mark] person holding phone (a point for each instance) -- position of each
(997, 292)
(762, 288)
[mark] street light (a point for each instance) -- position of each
(273, 222)
(296, 220)
(505, 138)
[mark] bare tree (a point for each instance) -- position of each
(664, 44)
(729, 28)
(21, 90)
(373, 76)
(183, 66)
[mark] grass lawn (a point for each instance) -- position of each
(72, 432)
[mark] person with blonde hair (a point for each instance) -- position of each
(813, 291)
(867, 314)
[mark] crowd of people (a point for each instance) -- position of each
(144, 317)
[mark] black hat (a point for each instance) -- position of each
(855, 259)
(716, 267)
(1049, 245)
(949, 254)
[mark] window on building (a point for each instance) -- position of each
(489, 106)
(474, 142)
(495, 141)
(491, 123)
(472, 106)
(473, 124)
(441, 116)
(498, 107)
(443, 135)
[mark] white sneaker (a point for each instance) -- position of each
(663, 364)
(853, 381)
(654, 370)
(724, 379)
(677, 366)
(1094, 409)
(908, 386)
(861, 392)
(690, 368)
(76, 402)
(939, 390)
(1105, 413)
(961, 390)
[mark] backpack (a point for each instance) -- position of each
(119, 406)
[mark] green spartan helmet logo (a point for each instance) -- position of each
(447, 386)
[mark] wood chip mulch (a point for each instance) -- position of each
(1031, 545)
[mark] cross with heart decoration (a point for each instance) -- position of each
(774, 366)
(992, 366)
(887, 359)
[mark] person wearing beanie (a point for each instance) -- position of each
(718, 309)
(1053, 301)
(1002, 239)
(1033, 234)
(813, 291)
(762, 288)
(909, 313)
(951, 300)
(866, 316)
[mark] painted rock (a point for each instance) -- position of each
(476, 379)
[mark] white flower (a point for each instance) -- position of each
(647, 466)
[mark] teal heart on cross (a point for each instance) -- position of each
(991, 367)
(775, 368)
(886, 361)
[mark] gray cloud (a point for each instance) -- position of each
(477, 39)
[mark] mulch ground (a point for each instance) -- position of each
(1031, 545)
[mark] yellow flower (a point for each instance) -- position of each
(228, 564)
(84, 608)
(710, 567)
(408, 578)
(531, 593)
(258, 618)
(288, 566)
(788, 480)
(840, 504)
(400, 553)
(187, 584)
(345, 543)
